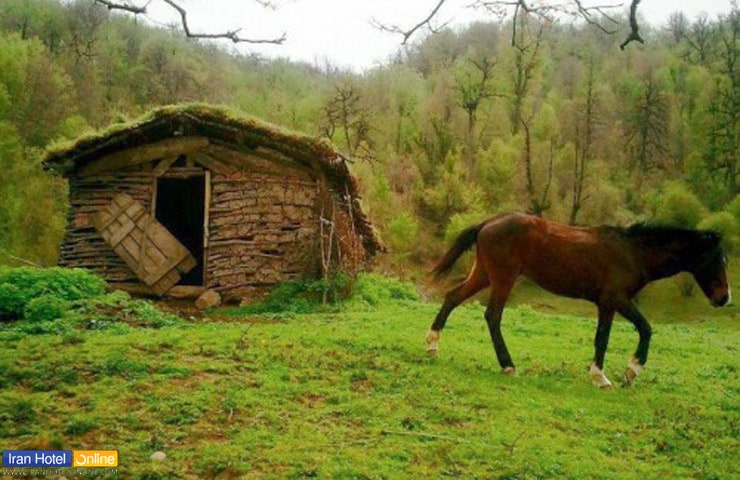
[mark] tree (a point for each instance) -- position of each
(526, 61)
(539, 199)
(700, 37)
(583, 139)
(647, 127)
(724, 111)
(344, 112)
(36, 87)
(677, 27)
(473, 86)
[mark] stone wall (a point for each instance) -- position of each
(263, 230)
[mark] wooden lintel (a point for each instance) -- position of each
(164, 165)
(211, 163)
(146, 153)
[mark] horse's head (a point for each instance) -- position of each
(711, 270)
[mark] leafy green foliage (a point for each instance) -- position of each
(373, 289)
(734, 208)
(21, 285)
(367, 290)
(60, 300)
(45, 308)
(117, 310)
(677, 205)
(403, 232)
(298, 296)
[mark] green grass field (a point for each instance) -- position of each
(353, 395)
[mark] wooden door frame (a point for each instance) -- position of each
(206, 173)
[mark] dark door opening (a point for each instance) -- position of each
(181, 209)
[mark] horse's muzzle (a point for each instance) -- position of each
(721, 301)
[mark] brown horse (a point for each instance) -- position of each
(605, 265)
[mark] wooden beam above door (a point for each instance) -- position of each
(164, 149)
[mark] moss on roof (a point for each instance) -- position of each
(226, 125)
(66, 155)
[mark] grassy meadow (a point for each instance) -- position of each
(351, 394)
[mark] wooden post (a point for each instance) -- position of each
(206, 220)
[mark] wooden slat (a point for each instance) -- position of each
(146, 153)
(127, 226)
(167, 281)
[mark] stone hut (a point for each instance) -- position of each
(196, 196)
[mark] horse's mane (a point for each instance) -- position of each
(699, 241)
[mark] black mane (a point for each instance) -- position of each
(691, 241)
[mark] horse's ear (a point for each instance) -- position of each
(712, 238)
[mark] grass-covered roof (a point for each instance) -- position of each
(225, 126)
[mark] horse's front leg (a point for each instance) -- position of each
(606, 316)
(630, 312)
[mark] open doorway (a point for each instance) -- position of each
(181, 209)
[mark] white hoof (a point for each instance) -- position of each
(509, 371)
(598, 378)
(433, 342)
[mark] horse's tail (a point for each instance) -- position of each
(463, 242)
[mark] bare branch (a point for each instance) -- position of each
(634, 27)
(585, 13)
(595, 15)
(232, 35)
(407, 34)
(122, 6)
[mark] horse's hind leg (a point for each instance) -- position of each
(501, 286)
(475, 282)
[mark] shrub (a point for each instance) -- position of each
(368, 289)
(300, 296)
(402, 232)
(678, 206)
(734, 208)
(45, 308)
(27, 283)
(375, 289)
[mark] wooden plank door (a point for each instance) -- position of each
(152, 252)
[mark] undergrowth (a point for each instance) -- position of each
(61, 301)
(344, 294)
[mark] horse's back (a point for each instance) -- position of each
(572, 261)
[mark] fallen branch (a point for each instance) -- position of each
(21, 260)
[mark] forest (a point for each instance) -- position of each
(548, 118)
